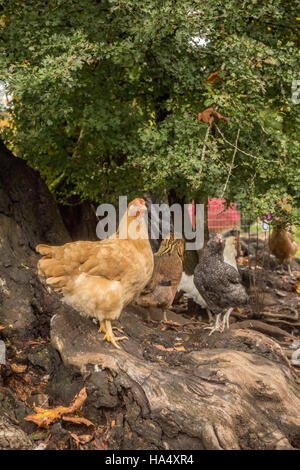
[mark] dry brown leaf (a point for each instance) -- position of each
(42, 341)
(44, 417)
(18, 368)
(2, 327)
(213, 77)
(179, 348)
(78, 420)
(162, 348)
(242, 260)
(297, 286)
(206, 116)
(82, 439)
(113, 423)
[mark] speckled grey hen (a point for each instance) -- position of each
(217, 279)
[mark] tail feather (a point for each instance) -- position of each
(50, 267)
(44, 249)
(57, 282)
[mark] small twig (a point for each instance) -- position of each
(242, 151)
(271, 320)
(204, 149)
(232, 162)
(76, 153)
(282, 315)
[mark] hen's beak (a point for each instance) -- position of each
(141, 210)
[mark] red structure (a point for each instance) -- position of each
(219, 218)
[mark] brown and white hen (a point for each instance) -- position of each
(161, 290)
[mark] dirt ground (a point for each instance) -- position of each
(40, 372)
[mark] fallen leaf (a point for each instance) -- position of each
(2, 327)
(170, 323)
(82, 439)
(44, 417)
(179, 348)
(113, 423)
(297, 286)
(78, 420)
(162, 348)
(242, 260)
(18, 368)
(42, 341)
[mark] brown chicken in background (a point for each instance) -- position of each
(283, 246)
(161, 290)
(100, 278)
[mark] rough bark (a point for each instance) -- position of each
(28, 215)
(228, 391)
(12, 437)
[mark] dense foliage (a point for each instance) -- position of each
(106, 95)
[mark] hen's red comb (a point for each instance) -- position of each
(141, 201)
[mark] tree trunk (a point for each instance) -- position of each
(28, 216)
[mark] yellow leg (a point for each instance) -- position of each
(110, 337)
(102, 328)
(165, 319)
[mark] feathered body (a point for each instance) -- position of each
(187, 284)
(100, 278)
(217, 278)
(283, 246)
(161, 290)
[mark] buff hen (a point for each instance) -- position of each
(98, 279)
(283, 246)
(161, 290)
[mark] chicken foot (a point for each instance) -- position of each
(102, 328)
(290, 271)
(220, 326)
(281, 270)
(105, 327)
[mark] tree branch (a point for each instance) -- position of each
(240, 150)
(232, 162)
